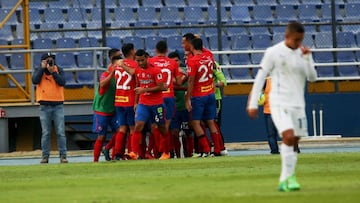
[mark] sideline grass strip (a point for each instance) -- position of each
(331, 177)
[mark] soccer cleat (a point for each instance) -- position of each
(132, 156)
(44, 160)
(224, 152)
(106, 154)
(283, 186)
(63, 160)
(165, 156)
(292, 183)
(200, 155)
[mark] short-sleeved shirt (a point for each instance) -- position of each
(148, 78)
(125, 85)
(169, 69)
(201, 66)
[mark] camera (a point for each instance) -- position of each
(50, 62)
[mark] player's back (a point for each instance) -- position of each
(169, 69)
(200, 66)
(125, 85)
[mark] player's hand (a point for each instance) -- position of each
(305, 50)
(120, 62)
(140, 90)
(188, 105)
(252, 113)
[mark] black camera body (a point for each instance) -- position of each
(50, 62)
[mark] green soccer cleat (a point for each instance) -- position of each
(292, 183)
(283, 186)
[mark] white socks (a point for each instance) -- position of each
(288, 161)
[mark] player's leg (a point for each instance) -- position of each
(158, 113)
(209, 115)
(141, 116)
(198, 108)
(288, 126)
(100, 128)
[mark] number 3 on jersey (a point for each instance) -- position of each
(206, 71)
(123, 80)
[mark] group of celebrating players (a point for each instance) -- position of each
(140, 95)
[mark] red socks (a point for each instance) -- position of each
(216, 138)
(119, 143)
(111, 143)
(136, 140)
(189, 145)
(97, 149)
(203, 144)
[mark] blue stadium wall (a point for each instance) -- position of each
(341, 116)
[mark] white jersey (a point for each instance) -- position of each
(289, 69)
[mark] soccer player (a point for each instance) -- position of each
(200, 98)
(104, 109)
(181, 119)
(289, 64)
(149, 99)
(125, 99)
(220, 83)
(171, 74)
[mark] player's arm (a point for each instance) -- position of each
(221, 80)
(160, 85)
(189, 91)
(126, 68)
(309, 64)
(265, 66)
(106, 80)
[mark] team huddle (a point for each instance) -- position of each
(154, 106)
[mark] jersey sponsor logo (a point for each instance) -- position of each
(207, 88)
(162, 64)
(121, 99)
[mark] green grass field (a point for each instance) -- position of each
(330, 177)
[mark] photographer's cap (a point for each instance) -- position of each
(47, 55)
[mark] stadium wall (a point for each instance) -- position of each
(340, 110)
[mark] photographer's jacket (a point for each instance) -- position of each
(49, 86)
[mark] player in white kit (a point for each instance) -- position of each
(289, 65)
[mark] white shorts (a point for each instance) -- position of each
(286, 118)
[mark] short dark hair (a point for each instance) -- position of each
(295, 27)
(115, 58)
(112, 52)
(189, 36)
(174, 55)
(197, 44)
(161, 46)
(127, 48)
(140, 52)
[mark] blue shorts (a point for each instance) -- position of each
(151, 114)
(203, 108)
(125, 115)
(179, 119)
(101, 124)
(169, 108)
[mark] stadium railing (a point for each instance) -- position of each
(317, 65)
(29, 93)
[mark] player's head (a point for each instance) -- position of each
(294, 35)
(128, 50)
(161, 47)
(196, 44)
(113, 52)
(115, 58)
(186, 41)
(141, 58)
(175, 56)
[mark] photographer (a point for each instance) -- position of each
(50, 81)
